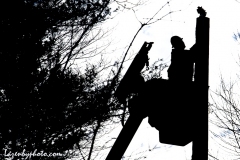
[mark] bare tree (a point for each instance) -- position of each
(225, 112)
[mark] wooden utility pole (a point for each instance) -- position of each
(200, 140)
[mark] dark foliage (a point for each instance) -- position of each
(44, 105)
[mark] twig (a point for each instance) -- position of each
(93, 139)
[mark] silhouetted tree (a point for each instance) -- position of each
(44, 103)
(226, 115)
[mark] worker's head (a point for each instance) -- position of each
(177, 43)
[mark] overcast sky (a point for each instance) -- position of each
(224, 19)
(224, 22)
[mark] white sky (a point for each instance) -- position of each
(224, 21)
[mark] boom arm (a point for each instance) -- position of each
(132, 79)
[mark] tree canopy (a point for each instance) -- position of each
(44, 103)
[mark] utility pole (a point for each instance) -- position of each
(200, 140)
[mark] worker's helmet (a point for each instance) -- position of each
(177, 42)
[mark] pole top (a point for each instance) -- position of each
(202, 12)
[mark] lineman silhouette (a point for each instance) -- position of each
(178, 85)
(181, 68)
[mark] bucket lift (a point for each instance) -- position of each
(181, 119)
